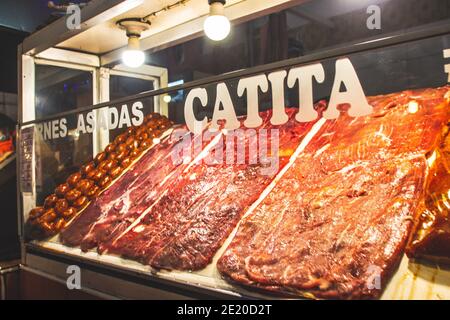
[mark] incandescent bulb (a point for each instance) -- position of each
(133, 58)
(217, 27)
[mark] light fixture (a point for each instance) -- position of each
(133, 56)
(167, 98)
(216, 26)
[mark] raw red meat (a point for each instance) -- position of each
(190, 210)
(135, 188)
(142, 186)
(190, 223)
(337, 217)
(340, 216)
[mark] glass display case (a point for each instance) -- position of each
(342, 168)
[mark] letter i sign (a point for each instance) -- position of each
(447, 66)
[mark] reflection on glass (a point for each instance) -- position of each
(61, 89)
(57, 158)
(120, 86)
(296, 31)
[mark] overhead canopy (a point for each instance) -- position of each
(100, 36)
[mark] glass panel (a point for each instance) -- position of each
(60, 151)
(61, 89)
(296, 31)
(121, 87)
(410, 65)
(378, 156)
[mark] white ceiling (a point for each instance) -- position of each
(93, 40)
(178, 24)
(101, 36)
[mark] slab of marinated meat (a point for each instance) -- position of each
(186, 227)
(138, 186)
(336, 223)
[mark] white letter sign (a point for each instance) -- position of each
(193, 124)
(354, 94)
(251, 85)
(304, 76)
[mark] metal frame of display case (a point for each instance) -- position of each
(100, 80)
(112, 281)
(7, 269)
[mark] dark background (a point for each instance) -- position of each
(10, 39)
(9, 244)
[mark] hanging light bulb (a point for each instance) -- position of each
(216, 26)
(133, 56)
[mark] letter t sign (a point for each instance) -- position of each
(447, 66)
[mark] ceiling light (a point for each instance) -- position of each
(133, 56)
(216, 26)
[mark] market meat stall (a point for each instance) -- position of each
(349, 195)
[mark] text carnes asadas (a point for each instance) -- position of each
(303, 77)
(109, 118)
